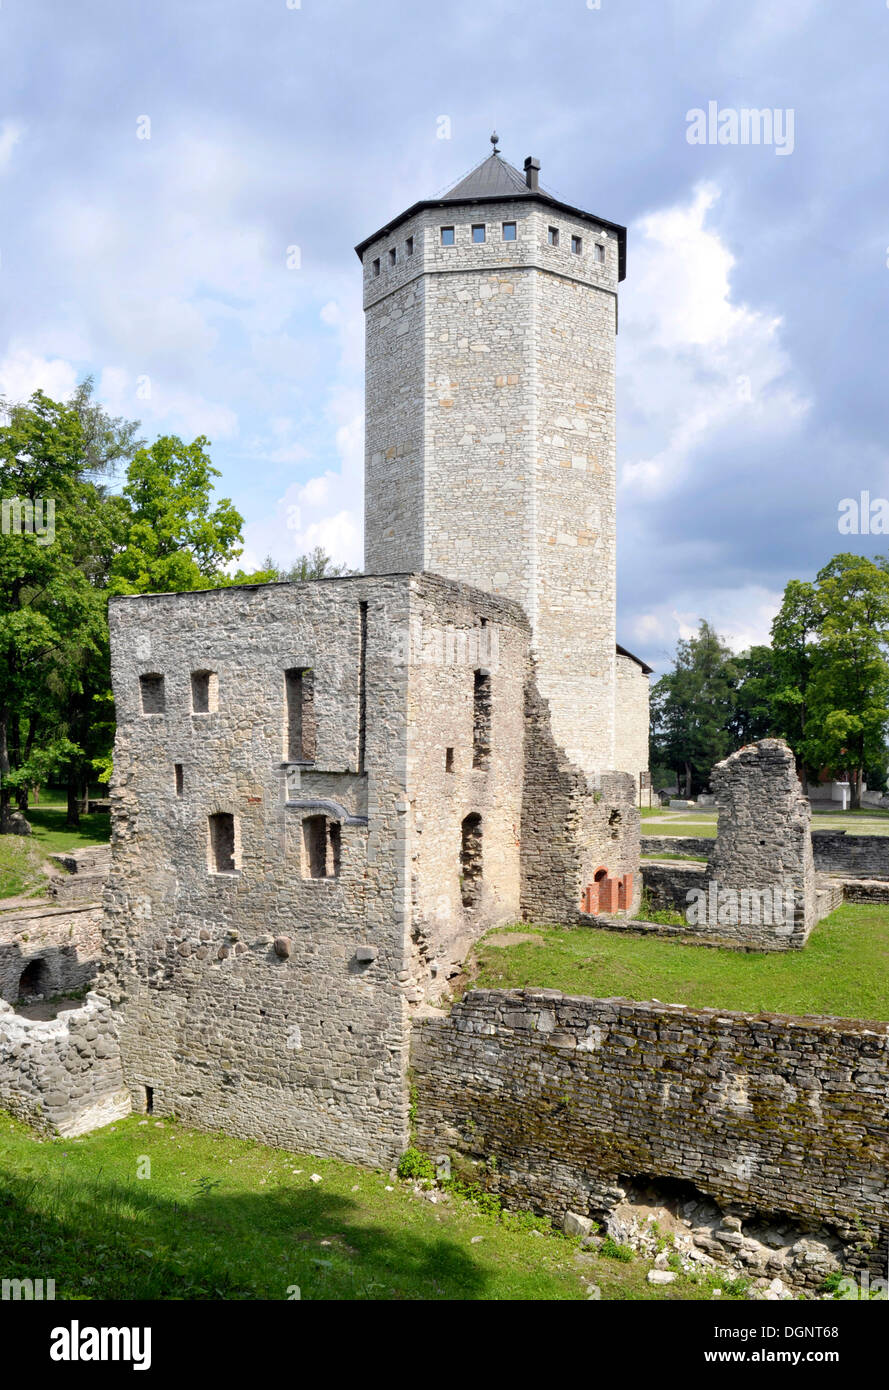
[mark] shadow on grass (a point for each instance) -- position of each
(52, 834)
(103, 1240)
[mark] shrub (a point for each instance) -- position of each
(614, 1251)
(415, 1164)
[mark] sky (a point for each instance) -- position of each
(182, 186)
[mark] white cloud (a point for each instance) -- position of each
(11, 133)
(742, 617)
(693, 362)
(326, 509)
(24, 371)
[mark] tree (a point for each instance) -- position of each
(316, 565)
(692, 708)
(847, 694)
(59, 534)
(753, 715)
(176, 539)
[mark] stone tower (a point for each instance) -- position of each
(491, 316)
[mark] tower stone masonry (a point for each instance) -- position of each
(491, 316)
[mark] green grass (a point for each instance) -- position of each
(223, 1218)
(20, 871)
(22, 855)
(843, 970)
(704, 830)
(52, 835)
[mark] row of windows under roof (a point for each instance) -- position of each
(508, 232)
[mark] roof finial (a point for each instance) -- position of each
(494, 138)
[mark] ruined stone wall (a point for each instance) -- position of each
(574, 1096)
(490, 433)
(572, 825)
(694, 846)
(833, 851)
(68, 940)
(63, 1076)
(853, 856)
(260, 1001)
(456, 632)
(763, 838)
(631, 717)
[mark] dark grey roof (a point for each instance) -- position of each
(494, 177)
(622, 651)
(495, 180)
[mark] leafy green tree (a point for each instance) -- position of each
(847, 695)
(317, 564)
(52, 574)
(177, 538)
(753, 715)
(692, 709)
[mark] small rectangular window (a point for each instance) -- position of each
(576, 245)
(509, 231)
(177, 778)
(222, 843)
(478, 233)
(204, 688)
(377, 266)
(449, 760)
(552, 236)
(600, 253)
(409, 246)
(299, 685)
(481, 719)
(393, 255)
(321, 847)
(154, 700)
(447, 236)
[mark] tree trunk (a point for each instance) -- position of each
(72, 819)
(688, 781)
(855, 789)
(4, 769)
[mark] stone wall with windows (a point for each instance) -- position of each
(271, 919)
(490, 432)
(257, 909)
(465, 769)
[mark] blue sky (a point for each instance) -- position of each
(753, 351)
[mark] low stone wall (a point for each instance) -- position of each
(853, 856)
(573, 1097)
(693, 846)
(67, 940)
(63, 1076)
(835, 851)
(863, 890)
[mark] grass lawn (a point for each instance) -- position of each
(843, 970)
(20, 871)
(703, 823)
(52, 835)
(22, 855)
(704, 829)
(222, 1218)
